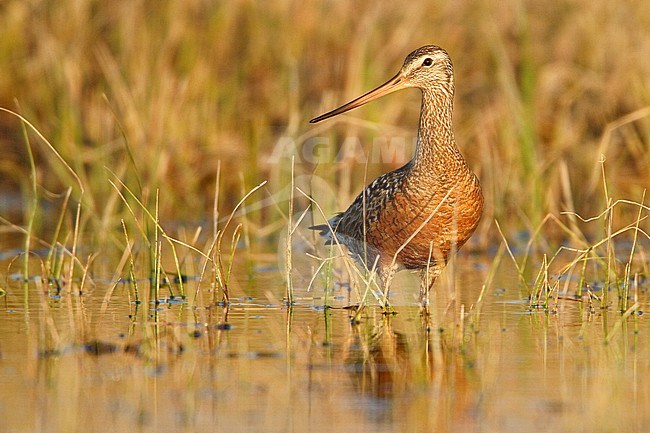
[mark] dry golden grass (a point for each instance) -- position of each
(157, 94)
(159, 151)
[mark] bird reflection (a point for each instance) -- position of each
(398, 377)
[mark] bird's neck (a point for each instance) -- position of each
(436, 149)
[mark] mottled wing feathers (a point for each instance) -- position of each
(364, 210)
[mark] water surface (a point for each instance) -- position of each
(98, 361)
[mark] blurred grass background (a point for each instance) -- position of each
(183, 84)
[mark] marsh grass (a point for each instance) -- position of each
(536, 86)
(32, 208)
(598, 262)
(149, 180)
(359, 275)
(147, 131)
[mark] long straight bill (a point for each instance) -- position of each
(389, 86)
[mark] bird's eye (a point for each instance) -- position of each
(427, 62)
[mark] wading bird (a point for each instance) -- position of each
(414, 217)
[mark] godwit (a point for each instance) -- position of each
(416, 216)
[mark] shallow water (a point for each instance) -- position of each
(99, 361)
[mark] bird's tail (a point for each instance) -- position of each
(328, 230)
(321, 228)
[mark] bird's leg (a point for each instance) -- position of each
(429, 276)
(386, 274)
